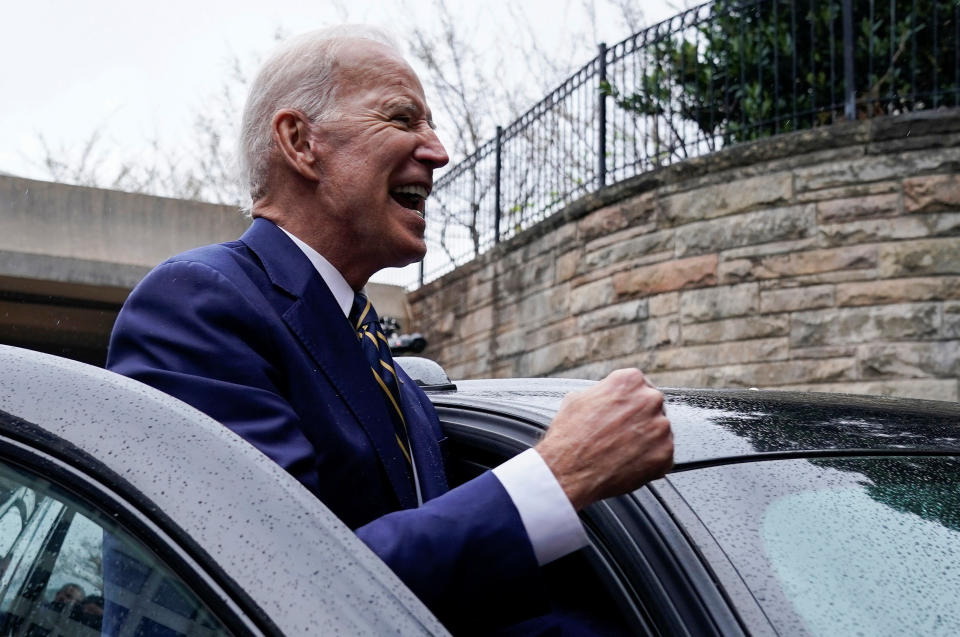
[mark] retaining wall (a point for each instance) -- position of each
(822, 260)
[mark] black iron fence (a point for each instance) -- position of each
(719, 74)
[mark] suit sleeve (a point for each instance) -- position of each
(195, 334)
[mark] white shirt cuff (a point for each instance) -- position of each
(547, 515)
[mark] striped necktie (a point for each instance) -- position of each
(377, 351)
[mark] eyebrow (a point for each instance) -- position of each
(411, 107)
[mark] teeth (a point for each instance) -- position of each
(419, 191)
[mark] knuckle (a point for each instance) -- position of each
(630, 375)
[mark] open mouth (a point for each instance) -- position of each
(411, 197)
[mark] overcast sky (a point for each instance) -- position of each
(137, 70)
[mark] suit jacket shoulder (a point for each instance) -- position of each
(247, 332)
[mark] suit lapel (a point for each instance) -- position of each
(426, 451)
(320, 326)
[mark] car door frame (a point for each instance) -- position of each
(660, 582)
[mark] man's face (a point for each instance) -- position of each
(68, 594)
(376, 159)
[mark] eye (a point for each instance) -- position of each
(402, 118)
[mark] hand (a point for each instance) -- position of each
(609, 439)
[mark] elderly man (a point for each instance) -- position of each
(272, 336)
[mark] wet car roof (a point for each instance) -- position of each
(714, 425)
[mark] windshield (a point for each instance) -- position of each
(865, 546)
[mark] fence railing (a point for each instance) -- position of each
(721, 73)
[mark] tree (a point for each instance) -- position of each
(741, 71)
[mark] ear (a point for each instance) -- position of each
(291, 133)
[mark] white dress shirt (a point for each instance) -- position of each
(547, 515)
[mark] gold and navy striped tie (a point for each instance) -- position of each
(375, 347)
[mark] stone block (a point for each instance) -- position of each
(951, 320)
(663, 304)
(596, 370)
(479, 292)
(601, 222)
(629, 248)
(611, 315)
(874, 168)
(552, 358)
(568, 264)
(542, 335)
(897, 228)
(931, 193)
(910, 360)
(926, 389)
(667, 276)
(661, 332)
(545, 306)
(799, 298)
(506, 314)
(850, 191)
(798, 263)
(830, 351)
(591, 296)
(679, 378)
(560, 236)
(911, 258)
(859, 207)
(487, 272)
(475, 322)
(717, 303)
(781, 373)
(772, 248)
(736, 329)
(446, 325)
(510, 343)
(537, 273)
(898, 291)
(615, 341)
(699, 356)
(726, 198)
(840, 276)
(763, 226)
(865, 324)
(639, 209)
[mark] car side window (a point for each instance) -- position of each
(66, 570)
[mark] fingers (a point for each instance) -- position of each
(609, 439)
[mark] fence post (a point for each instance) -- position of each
(850, 96)
(496, 195)
(602, 118)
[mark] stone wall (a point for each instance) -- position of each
(823, 260)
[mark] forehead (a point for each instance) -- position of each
(365, 66)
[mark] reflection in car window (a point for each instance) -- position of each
(864, 546)
(66, 570)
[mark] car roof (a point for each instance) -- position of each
(300, 564)
(716, 426)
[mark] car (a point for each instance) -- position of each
(785, 513)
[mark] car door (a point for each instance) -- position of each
(70, 570)
(183, 527)
(639, 570)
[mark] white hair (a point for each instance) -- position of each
(299, 74)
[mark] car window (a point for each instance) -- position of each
(864, 546)
(67, 570)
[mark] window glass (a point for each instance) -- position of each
(67, 570)
(865, 546)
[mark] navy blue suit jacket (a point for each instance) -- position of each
(248, 333)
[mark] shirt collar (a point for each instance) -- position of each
(341, 290)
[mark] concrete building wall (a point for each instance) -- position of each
(821, 260)
(70, 255)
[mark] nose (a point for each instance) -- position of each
(430, 150)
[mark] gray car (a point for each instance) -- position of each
(785, 514)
